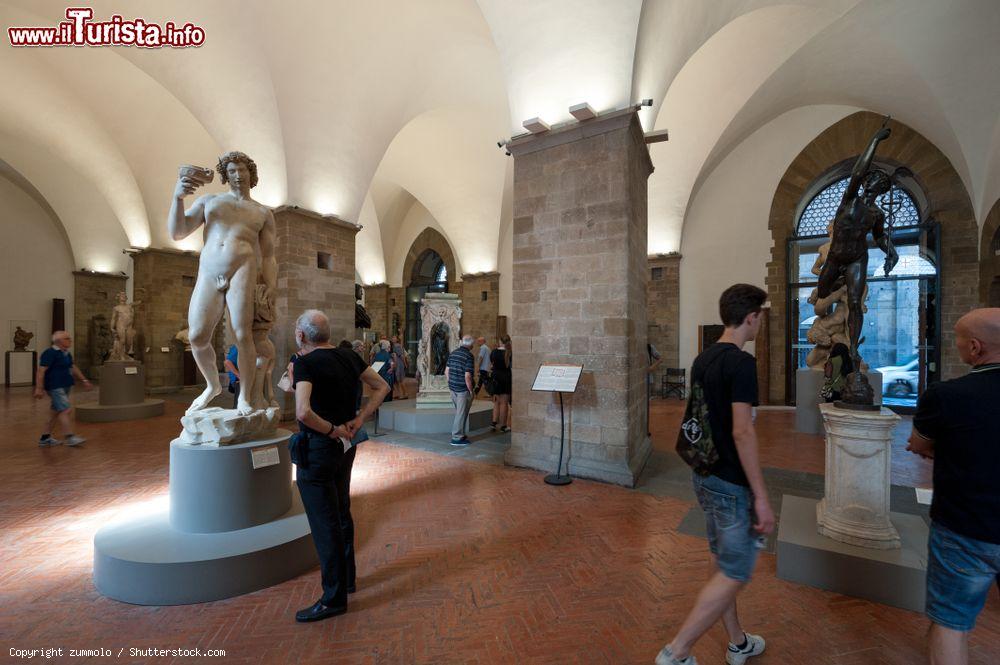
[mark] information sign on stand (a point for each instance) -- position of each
(558, 379)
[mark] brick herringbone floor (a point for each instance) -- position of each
(459, 562)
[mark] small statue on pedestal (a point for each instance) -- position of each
(122, 329)
(22, 338)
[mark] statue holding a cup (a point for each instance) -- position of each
(238, 255)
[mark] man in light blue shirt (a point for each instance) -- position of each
(484, 364)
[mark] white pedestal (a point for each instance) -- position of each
(855, 507)
(434, 393)
(20, 368)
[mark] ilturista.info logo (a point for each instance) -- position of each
(80, 29)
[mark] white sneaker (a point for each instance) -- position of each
(666, 657)
(75, 440)
(754, 647)
(49, 441)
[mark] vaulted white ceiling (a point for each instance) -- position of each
(387, 113)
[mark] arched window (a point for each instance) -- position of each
(442, 273)
(897, 204)
(900, 336)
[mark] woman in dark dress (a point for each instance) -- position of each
(500, 381)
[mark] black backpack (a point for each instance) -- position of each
(694, 440)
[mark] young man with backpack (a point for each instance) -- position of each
(718, 440)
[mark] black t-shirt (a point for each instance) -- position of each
(962, 417)
(334, 375)
(727, 375)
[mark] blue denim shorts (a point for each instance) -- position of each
(960, 571)
(60, 399)
(729, 525)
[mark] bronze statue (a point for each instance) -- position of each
(100, 340)
(439, 348)
(22, 338)
(847, 261)
(361, 317)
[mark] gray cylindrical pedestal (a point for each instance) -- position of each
(122, 382)
(148, 560)
(217, 489)
(122, 395)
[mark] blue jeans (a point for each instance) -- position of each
(60, 399)
(729, 525)
(960, 571)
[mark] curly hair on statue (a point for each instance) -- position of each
(239, 157)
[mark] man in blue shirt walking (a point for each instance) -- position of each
(55, 375)
(459, 371)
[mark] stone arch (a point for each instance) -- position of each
(989, 259)
(948, 202)
(430, 239)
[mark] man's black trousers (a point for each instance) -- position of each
(325, 488)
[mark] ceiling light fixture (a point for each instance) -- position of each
(582, 111)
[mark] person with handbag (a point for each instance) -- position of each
(718, 440)
(500, 383)
(325, 380)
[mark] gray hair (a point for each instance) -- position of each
(314, 325)
(357, 345)
(59, 334)
(385, 345)
(468, 341)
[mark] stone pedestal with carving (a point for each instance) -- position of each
(855, 506)
(441, 320)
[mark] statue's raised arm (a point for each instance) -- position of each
(864, 162)
(181, 224)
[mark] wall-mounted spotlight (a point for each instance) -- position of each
(582, 111)
(535, 125)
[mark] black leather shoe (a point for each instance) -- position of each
(318, 612)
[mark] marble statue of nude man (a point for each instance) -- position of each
(123, 328)
(239, 250)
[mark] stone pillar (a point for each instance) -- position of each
(579, 294)
(855, 505)
(479, 313)
(315, 271)
(663, 297)
(93, 295)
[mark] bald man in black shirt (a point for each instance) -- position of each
(957, 423)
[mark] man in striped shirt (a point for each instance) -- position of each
(459, 371)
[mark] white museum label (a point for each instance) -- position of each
(131, 370)
(557, 378)
(165, 349)
(264, 456)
